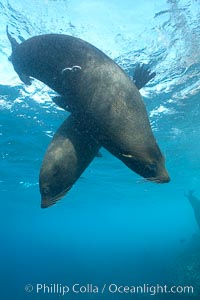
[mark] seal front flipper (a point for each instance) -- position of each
(70, 152)
(142, 74)
(62, 103)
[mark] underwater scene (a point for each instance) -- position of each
(100, 149)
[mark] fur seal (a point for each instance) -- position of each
(71, 150)
(195, 203)
(96, 90)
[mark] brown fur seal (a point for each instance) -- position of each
(96, 90)
(195, 203)
(71, 150)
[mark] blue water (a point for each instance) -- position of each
(112, 227)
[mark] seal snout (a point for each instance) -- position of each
(50, 197)
(46, 202)
(164, 178)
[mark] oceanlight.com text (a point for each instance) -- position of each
(112, 288)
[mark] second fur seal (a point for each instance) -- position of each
(195, 203)
(96, 90)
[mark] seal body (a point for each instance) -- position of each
(71, 150)
(95, 89)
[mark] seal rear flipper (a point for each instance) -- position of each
(14, 44)
(71, 150)
(12, 40)
(142, 74)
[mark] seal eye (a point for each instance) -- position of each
(46, 190)
(152, 168)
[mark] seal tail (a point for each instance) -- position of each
(12, 40)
